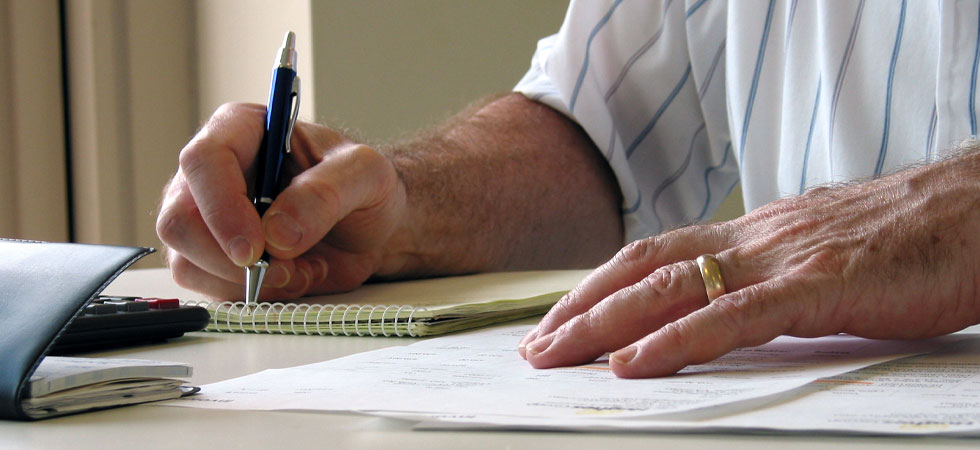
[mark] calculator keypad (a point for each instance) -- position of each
(111, 321)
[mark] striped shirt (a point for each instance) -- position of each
(684, 98)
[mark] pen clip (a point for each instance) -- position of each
(292, 117)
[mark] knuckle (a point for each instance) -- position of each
(180, 270)
(366, 155)
(676, 335)
(323, 191)
(594, 321)
(564, 305)
(566, 309)
(171, 224)
(226, 109)
(559, 311)
(192, 157)
(666, 293)
(376, 164)
(664, 281)
(825, 260)
(234, 109)
(640, 251)
(730, 312)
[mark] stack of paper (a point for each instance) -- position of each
(66, 385)
(475, 380)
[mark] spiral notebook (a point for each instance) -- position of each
(404, 308)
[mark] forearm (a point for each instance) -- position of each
(510, 184)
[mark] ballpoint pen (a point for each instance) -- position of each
(280, 117)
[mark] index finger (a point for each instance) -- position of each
(214, 164)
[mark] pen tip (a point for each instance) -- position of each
(289, 40)
(254, 275)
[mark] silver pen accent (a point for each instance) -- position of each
(254, 275)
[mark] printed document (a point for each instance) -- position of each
(937, 393)
(479, 376)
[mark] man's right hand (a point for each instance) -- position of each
(340, 220)
(507, 184)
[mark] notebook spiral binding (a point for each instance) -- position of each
(291, 318)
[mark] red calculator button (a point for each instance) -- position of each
(161, 303)
(168, 303)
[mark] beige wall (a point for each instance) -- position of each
(386, 67)
(236, 42)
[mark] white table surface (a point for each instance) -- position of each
(219, 356)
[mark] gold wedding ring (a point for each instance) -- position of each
(714, 286)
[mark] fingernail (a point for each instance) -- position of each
(308, 278)
(300, 284)
(320, 269)
(540, 344)
(241, 251)
(277, 276)
(529, 337)
(522, 349)
(624, 356)
(282, 231)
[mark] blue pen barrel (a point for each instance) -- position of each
(273, 147)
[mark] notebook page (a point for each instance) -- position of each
(439, 294)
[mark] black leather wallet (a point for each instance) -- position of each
(43, 286)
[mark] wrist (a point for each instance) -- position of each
(401, 254)
(427, 238)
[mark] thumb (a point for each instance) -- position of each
(347, 179)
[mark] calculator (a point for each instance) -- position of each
(120, 321)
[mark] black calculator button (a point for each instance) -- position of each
(98, 309)
(128, 305)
